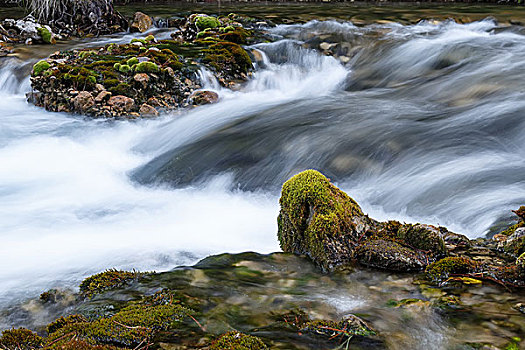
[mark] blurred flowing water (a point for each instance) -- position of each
(422, 122)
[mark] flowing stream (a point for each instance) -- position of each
(421, 122)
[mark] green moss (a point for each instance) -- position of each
(108, 83)
(20, 339)
(204, 22)
(147, 67)
(314, 214)
(84, 54)
(509, 231)
(142, 41)
(106, 280)
(132, 61)
(512, 346)
(203, 33)
(40, 66)
(422, 237)
(124, 68)
(80, 345)
(238, 341)
(440, 270)
(111, 47)
(229, 57)
(46, 35)
(237, 35)
(106, 63)
(121, 89)
(227, 29)
(133, 325)
(109, 74)
(149, 38)
(64, 321)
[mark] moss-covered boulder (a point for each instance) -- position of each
(205, 22)
(319, 220)
(60, 80)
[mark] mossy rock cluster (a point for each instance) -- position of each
(112, 70)
(155, 75)
(319, 220)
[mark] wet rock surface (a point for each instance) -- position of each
(322, 222)
(276, 301)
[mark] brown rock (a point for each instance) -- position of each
(153, 101)
(148, 111)
(122, 102)
(204, 97)
(170, 72)
(83, 101)
(142, 78)
(141, 22)
(102, 96)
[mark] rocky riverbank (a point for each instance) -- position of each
(421, 275)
